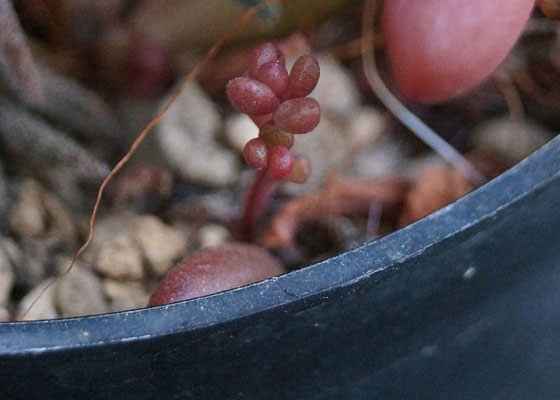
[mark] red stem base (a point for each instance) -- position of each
(256, 202)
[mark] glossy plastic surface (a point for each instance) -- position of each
(462, 304)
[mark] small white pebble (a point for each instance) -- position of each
(125, 295)
(160, 244)
(4, 315)
(512, 141)
(336, 90)
(365, 126)
(7, 277)
(120, 258)
(239, 129)
(186, 137)
(80, 293)
(213, 235)
(28, 214)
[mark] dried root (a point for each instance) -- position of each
(338, 197)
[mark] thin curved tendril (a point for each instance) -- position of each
(405, 116)
(511, 96)
(138, 141)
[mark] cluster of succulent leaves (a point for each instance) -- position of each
(277, 102)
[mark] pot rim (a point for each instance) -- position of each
(364, 262)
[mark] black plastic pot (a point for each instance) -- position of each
(464, 304)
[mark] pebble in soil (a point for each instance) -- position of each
(124, 242)
(187, 138)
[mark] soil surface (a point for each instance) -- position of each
(86, 82)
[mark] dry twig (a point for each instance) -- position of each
(338, 197)
(26, 86)
(32, 140)
(17, 70)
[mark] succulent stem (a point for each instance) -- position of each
(256, 201)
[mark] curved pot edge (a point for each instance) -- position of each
(536, 171)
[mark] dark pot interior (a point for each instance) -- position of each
(462, 304)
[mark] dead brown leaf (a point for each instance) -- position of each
(440, 185)
(338, 197)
